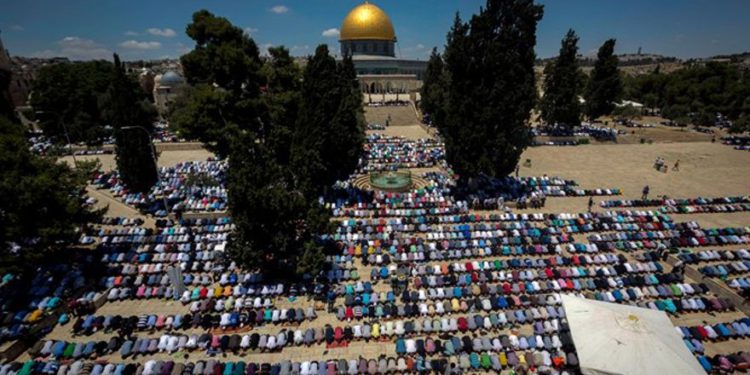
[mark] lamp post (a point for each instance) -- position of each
(65, 131)
(153, 157)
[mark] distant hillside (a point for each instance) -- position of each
(632, 59)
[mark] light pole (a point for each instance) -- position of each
(153, 157)
(65, 131)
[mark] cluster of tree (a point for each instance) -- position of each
(565, 84)
(481, 91)
(68, 97)
(696, 93)
(91, 100)
(41, 205)
(288, 135)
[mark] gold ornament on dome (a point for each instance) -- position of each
(367, 22)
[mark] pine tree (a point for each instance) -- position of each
(491, 87)
(132, 118)
(605, 86)
(562, 86)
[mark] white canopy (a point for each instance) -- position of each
(620, 339)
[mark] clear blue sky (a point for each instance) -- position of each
(85, 29)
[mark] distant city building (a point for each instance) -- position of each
(167, 87)
(368, 36)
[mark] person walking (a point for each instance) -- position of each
(676, 167)
(646, 190)
(591, 203)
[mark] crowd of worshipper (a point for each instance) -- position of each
(450, 290)
(383, 152)
(372, 126)
(737, 141)
(24, 303)
(685, 205)
(526, 192)
(389, 103)
(197, 186)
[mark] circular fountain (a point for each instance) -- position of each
(394, 181)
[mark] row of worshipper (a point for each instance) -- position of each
(120, 221)
(713, 255)
(716, 332)
(722, 270)
(656, 298)
(473, 252)
(193, 222)
(545, 322)
(520, 363)
(721, 208)
(206, 320)
(171, 343)
(740, 283)
(671, 202)
(478, 344)
(522, 220)
(492, 291)
(224, 343)
(511, 281)
(501, 303)
(198, 293)
(688, 238)
(26, 301)
(470, 222)
(726, 363)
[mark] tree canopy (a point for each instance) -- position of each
(224, 70)
(288, 135)
(562, 85)
(695, 93)
(41, 206)
(605, 86)
(70, 94)
(491, 90)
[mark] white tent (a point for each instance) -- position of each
(619, 339)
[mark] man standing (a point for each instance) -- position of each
(646, 190)
(591, 203)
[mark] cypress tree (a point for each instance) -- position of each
(605, 86)
(133, 147)
(329, 135)
(491, 87)
(434, 88)
(562, 85)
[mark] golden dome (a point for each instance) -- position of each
(367, 22)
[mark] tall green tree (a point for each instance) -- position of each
(280, 143)
(562, 85)
(329, 135)
(224, 68)
(605, 86)
(41, 206)
(131, 115)
(68, 96)
(434, 88)
(491, 87)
